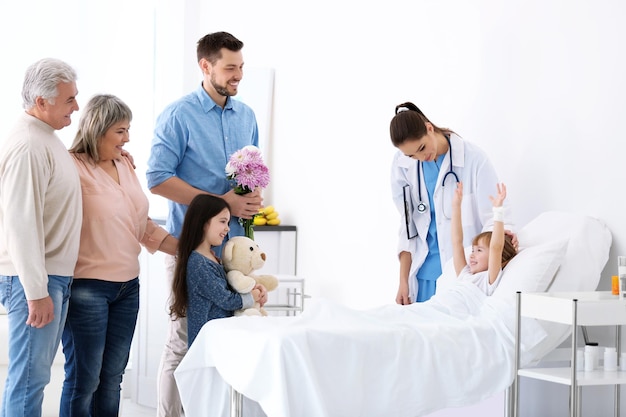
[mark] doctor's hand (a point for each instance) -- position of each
(513, 237)
(403, 295)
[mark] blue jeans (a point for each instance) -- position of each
(96, 343)
(31, 350)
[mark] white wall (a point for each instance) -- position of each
(110, 44)
(538, 84)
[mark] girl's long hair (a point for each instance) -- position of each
(200, 211)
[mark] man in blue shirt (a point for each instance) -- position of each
(193, 140)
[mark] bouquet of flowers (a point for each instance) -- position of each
(246, 171)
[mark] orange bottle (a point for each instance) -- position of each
(615, 285)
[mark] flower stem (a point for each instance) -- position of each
(248, 228)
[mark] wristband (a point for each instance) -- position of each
(498, 214)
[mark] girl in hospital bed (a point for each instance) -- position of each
(199, 289)
(491, 251)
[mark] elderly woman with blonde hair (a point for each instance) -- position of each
(104, 300)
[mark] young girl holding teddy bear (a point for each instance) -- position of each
(200, 291)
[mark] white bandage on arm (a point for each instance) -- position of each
(498, 214)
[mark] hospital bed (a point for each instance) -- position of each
(455, 350)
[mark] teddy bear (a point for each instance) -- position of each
(241, 256)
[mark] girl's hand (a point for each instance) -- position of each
(457, 198)
(262, 299)
(499, 199)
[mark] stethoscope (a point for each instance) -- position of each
(421, 206)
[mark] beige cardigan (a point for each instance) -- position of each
(40, 206)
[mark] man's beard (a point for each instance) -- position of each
(222, 90)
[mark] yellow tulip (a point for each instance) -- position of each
(272, 215)
(259, 221)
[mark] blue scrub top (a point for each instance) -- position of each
(431, 268)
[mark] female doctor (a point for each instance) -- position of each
(429, 162)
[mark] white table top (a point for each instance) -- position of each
(594, 308)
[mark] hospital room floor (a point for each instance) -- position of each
(132, 409)
(129, 409)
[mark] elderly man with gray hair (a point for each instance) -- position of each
(40, 221)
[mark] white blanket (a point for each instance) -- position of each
(455, 350)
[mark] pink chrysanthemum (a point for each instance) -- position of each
(247, 170)
(253, 175)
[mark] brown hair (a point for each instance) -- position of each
(210, 46)
(410, 123)
(200, 211)
(508, 251)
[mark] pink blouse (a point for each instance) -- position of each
(115, 223)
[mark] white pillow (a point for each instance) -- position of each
(532, 269)
(559, 251)
(581, 268)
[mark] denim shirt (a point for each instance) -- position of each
(209, 294)
(193, 139)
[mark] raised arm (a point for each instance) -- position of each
(497, 235)
(458, 251)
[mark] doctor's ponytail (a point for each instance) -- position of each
(409, 122)
(409, 106)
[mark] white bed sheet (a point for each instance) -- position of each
(455, 350)
(335, 361)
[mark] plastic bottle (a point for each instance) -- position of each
(615, 285)
(591, 356)
(610, 359)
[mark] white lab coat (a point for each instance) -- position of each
(471, 165)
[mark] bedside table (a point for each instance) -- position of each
(593, 308)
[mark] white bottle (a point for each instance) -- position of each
(591, 357)
(610, 359)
